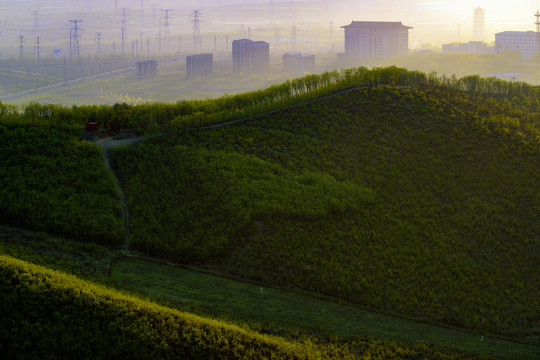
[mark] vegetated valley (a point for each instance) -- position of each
(384, 189)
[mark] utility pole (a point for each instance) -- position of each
(142, 14)
(159, 39)
(98, 36)
(332, 35)
(142, 51)
(196, 29)
(276, 40)
(124, 24)
(36, 25)
(37, 45)
(21, 48)
(154, 16)
(180, 47)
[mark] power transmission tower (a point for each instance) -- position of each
(196, 29)
(166, 17)
(76, 36)
(21, 48)
(124, 24)
(98, 38)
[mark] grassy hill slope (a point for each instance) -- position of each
(422, 203)
(47, 313)
(52, 181)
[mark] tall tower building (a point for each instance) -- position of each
(479, 24)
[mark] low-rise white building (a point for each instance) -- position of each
(472, 47)
(526, 42)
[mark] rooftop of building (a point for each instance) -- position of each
(248, 41)
(379, 25)
(516, 33)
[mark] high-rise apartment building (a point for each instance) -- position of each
(199, 65)
(250, 56)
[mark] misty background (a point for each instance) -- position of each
(45, 43)
(434, 22)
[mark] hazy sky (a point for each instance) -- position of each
(434, 21)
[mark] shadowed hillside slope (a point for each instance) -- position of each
(418, 202)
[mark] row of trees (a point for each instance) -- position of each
(146, 118)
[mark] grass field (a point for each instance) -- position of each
(170, 85)
(299, 311)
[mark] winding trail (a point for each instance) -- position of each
(106, 145)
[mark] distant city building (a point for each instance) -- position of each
(199, 65)
(298, 62)
(526, 42)
(305, 63)
(368, 39)
(146, 69)
(479, 24)
(289, 61)
(250, 56)
(472, 47)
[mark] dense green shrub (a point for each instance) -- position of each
(52, 181)
(422, 203)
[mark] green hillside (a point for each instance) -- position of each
(52, 181)
(423, 203)
(49, 314)
(372, 190)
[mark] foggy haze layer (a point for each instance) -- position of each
(434, 22)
